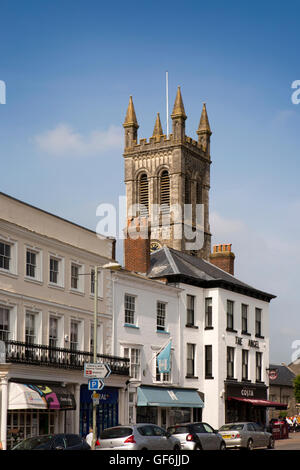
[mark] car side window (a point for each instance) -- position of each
(199, 428)
(208, 428)
(257, 427)
(250, 427)
(158, 431)
(59, 441)
(73, 440)
(146, 430)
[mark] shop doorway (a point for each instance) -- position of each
(43, 423)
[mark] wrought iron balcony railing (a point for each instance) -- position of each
(38, 354)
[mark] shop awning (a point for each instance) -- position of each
(20, 397)
(28, 396)
(164, 397)
(260, 402)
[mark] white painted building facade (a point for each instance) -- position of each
(47, 321)
(154, 322)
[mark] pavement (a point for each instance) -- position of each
(292, 443)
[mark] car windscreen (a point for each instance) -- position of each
(34, 443)
(178, 430)
(115, 433)
(232, 427)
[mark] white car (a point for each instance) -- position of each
(198, 436)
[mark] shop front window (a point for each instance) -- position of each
(24, 424)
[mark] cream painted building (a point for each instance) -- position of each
(46, 323)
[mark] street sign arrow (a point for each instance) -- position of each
(98, 370)
(95, 384)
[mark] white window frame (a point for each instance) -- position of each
(80, 281)
(194, 349)
(39, 264)
(80, 331)
(100, 282)
(134, 322)
(13, 265)
(137, 365)
(5, 332)
(37, 324)
(164, 377)
(61, 271)
(164, 326)
(99, 338)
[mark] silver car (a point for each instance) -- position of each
(137, 437)
(246, 436)
(198, 436)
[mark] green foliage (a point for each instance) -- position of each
(297, 388)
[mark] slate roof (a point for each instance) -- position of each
(285, 375)
(177, 266)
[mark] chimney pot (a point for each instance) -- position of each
(223, 257)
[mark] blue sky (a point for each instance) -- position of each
(69, 68)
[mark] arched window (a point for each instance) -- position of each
(144, 194)
(165, 190)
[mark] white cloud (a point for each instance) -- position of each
(64, 141)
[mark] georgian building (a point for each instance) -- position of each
(47, 324)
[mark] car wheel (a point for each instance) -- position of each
(198, 446)
(223, 446)
(176, 447)
(144, 448)
(271, 443)
(250, 445)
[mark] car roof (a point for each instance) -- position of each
(239, 422)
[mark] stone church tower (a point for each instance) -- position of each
(170, 172)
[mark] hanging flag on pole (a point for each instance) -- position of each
(164, 359)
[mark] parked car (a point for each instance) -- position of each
(53, 442)
(137, 437)
(246, 436)
(198, 436)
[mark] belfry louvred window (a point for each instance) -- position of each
(144, 195)
(165, 191)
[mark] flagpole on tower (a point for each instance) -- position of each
(167, 101)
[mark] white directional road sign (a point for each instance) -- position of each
(97, 371)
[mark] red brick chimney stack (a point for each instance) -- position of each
(137, 245)
(223, 258)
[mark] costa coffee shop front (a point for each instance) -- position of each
(248, 402)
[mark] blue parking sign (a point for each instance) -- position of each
(96, 384)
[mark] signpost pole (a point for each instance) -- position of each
(95, 351)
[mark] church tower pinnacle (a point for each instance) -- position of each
(130, 125)
(157, 131)
(178, 117)
(204, 131)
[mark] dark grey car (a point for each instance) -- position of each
(246, 436)
(197, 436)
(53, 442)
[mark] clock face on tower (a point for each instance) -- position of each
(154, 246)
